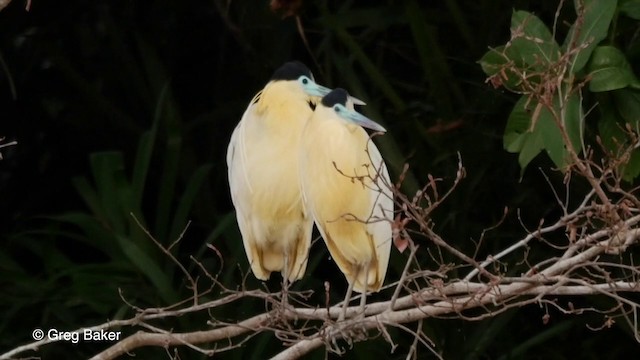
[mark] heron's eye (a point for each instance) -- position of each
(336, 108)
(305, 81)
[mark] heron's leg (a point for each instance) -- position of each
(363, 299)
(285, 281)
(347, 298)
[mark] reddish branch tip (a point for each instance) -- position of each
(286, 7)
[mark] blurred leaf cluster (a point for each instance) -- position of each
(598, 49)
(123, 110)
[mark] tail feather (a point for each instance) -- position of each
(300, 252)
(257, 266)
(267, 260)
(366, 276)
(366, 279)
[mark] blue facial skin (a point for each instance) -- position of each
(337, 99)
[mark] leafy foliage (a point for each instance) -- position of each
(124, 108)
(533, 54)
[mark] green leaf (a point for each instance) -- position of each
(108, 174)
(186, 201)
(630, 8)
(95, 234)
(609, 70)
(532, 47)
(90, 197)
(532, 41)
(632, 168)
(518, 137)
(593, 28)
(573, 120)
(167, 112)
(494, 62)
(149, 268)
(552, 138)
(532, 128)
(141, 165)
(167, 192)
(518, 125)
(628, 104)
(611, 130)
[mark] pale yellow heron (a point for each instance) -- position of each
(262, 159)
(345, 184)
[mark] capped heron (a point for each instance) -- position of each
(262, 160)
(345, 184)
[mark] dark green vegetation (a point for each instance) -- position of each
(126, 107)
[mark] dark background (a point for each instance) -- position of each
(124, 107)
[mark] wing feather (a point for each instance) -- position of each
(331, 197)
(380, 224)
(270, 213)
(240, 186)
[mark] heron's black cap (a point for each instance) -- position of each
(291, 70)
(336, 96)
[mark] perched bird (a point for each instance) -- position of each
(262, 160)
(345, 184)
